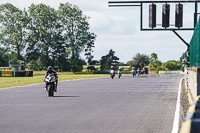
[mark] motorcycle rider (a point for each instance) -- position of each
(50, 70)
(143, 70)
(138, 70)
(120, 70)
(112, 68)
(133, 69)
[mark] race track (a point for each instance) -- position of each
(144, 104)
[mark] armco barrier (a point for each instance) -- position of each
(101, 73)
(22, 74)
(192, 120)
(83, 73)
(6, 73)
(125, 72)
(29, 73)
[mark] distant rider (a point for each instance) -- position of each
(138, 70)
(143, 69)
(119, 70)
(133, 69)
(112, 68)
(50, 70)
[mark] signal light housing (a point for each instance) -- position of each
(165, 15)
(152, 15)
(179, 15)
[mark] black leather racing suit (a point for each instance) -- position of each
(55, 74)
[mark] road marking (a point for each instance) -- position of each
(176, 116)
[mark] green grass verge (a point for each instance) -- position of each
(20, 81)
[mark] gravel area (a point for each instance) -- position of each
(184, 103)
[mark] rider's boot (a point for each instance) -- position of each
(45, 88)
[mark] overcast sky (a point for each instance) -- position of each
(119, 29)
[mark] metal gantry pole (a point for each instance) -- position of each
(141, 16)
(195, 14)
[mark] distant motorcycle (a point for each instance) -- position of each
(138, 72)
(134, 73)
(50, 82)
(119, 74)
(112, 74)
(142, 72)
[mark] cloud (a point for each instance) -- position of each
(102, 23)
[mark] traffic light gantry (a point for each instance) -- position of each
(165, 14)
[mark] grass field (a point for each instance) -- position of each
(20, 81)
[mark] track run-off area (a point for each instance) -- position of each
(144, 104)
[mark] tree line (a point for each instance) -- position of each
(42, 36)
(151, 62)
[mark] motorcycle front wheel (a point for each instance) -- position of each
(50, 90)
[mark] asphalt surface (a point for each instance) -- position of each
(144, 104)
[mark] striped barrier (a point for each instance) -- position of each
(171, 72)
(191, 123)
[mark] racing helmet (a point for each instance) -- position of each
(50, 68)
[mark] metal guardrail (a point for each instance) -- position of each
(191, 123)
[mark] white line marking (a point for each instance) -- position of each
(176, 116)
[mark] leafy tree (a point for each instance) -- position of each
(139, 60)
(153, 57)
(4, 57)
(89, 56)
(172, 65)
(45, 37)
(79, 64)
(155, 64)
(109, 60)
(13, 24)
(35, 65)
(75, 29)
(91, 68)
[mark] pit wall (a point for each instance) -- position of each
(192, 82)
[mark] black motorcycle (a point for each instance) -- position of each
(112, 74)
(50, 82)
